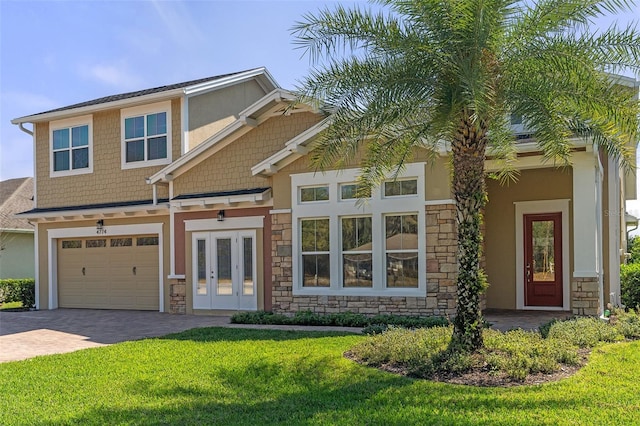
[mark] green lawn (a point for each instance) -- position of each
(232, 376)
(10, 305)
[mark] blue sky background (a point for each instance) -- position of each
(57, 53)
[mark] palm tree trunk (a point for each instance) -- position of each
(468, 149)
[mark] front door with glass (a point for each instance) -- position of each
(224, 270)
(543, 259)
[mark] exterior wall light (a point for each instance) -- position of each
(220, 215)
(100, 227)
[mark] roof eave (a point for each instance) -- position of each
(245, 121)
(234, 79)
(294, 149)
(99, 107)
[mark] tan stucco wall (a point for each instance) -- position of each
(43, 255)
(212, 111)
(437, 178)
(17, 255)
(108, 182)
(500, 249)
(230, 168)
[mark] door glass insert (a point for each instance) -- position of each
(223, 255)
(247, 267)
(543, 250)
(201, 285)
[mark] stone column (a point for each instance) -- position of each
(178, 296)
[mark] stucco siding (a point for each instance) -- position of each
(212, 111)
(230, 168)
(500, 246)
(108, 182)
(17, 255)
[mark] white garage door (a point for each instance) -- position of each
(108, 272)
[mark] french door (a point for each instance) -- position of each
(543, 259)
(224, 270)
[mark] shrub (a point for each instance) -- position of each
(416, 350)
(584, 332)
(18, 290)
(630, 284)
(633, 248)
(518, 353)
(627, 323)
(341, 319)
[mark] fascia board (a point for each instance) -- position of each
(99, 107)
(274, 96)
(289, 151)
(98, 211)
(197, 151)
(228, 81)
(228, 200)
(16, 231)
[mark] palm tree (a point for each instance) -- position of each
(427, 73)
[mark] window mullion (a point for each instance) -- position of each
(335, 251)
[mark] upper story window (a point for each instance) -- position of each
(395, 188)
(71, 146)
(146, 135)
(314, 193)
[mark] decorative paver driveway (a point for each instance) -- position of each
(28, 334)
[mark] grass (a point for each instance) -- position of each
(234, 376)
(10, 305)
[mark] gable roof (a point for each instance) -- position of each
(16, 195)
(147, 95)
(248, 119)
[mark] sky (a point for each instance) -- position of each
(56, 53)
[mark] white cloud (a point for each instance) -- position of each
(28, 102)
(16, 157)
(182, 27)
(117, 76)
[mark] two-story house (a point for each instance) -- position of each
(199, 197)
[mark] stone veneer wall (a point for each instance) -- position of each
(440, 297)
(585, 294)
(178, 297)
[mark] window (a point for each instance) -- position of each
(71, 146)
(376, 248)
(147, 241)
(317, 193)
(71, 244)
(351, 191)
(356, 252)
(121, 242)
(401, 250)
(146, 135)
(396, 188)
(315, 252)
(95, 243)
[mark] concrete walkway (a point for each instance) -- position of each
(28, 334)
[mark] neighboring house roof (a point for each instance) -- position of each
(147, 95)
(16, 195)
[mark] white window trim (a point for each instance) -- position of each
(85, 120)
(114, 230)
(533, 207)
(377, 207)
(144, 110)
